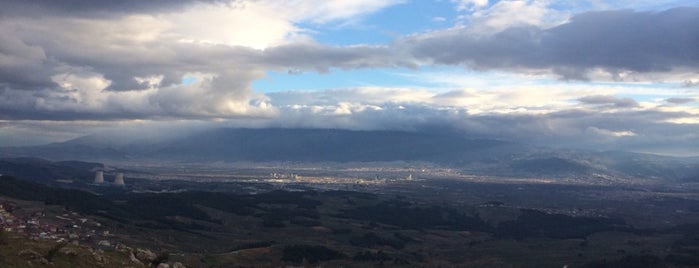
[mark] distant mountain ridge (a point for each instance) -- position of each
(313, 145)
(318, 145)
(473, 155)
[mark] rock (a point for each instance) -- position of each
(178, 265)
(135, 260)
(99, 258)
(145, 256)
(32, 255)
(68, 252)
(121, 247)
(98, 255)
(163, 265)
(29, 254)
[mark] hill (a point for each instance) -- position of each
(45, 171)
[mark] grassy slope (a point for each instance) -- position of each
(12, 244)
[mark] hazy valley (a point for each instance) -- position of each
(242, 197)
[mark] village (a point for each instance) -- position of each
(38, 223)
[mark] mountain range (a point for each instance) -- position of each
(472, 155)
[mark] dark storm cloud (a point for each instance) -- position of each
(22, 64)
(95, 7)
(510, 48)
(615, 41)
(609, 100)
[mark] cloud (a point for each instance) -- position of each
(317, 11)
(624, 44)
(99, 8)
(606, 132)
(690, 83)
(323, 11)
(76, 67)
(473, 113)
(499, 113)
(508, 14)
(364, 95)
(680, 100)
(609, 100)
(37, 132)
(469, 4)
(131, 66)
(64, 61)
(317, 57)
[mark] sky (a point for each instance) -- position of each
(597, 74)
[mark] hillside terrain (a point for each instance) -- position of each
(426, 223)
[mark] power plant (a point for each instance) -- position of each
(119, 179)
(99, 177)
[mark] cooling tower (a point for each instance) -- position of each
(119, 179)
(99, 176)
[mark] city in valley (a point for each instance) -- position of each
(352, 214)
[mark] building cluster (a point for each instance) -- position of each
(291, 176)
(5, 216)
(34, 223)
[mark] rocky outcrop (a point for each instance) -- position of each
(32, 256)
(99, 257)
(135, 260)
(145, 256)
(68, 252)
(173, 265)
